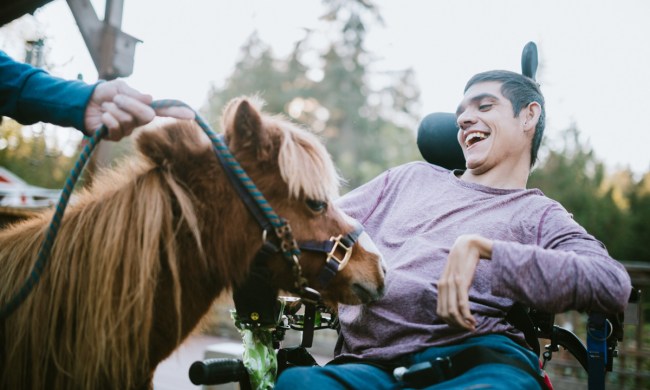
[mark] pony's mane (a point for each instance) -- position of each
(126, 214)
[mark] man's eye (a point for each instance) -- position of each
(484, 107)
(316, 206)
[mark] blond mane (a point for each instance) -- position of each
(87, 270)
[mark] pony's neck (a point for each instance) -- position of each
(230, 237)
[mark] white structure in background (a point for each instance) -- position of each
(15, 192)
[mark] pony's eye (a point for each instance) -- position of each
(316, 206)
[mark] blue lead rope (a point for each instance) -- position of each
(220, 149)
(52, 230)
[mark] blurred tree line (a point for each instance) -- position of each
(612, 207)
(367, 120)
(34, 153)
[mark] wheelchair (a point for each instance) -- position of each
(596, 356)
(437, 142)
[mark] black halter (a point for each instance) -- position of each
(333, 264)
(256, 298)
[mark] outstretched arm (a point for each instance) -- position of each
(31, 95)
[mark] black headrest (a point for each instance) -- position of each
(529, 60)
(437, 132)
(437, 140)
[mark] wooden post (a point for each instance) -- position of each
(112, 51)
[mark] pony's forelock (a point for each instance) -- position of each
(304, 163)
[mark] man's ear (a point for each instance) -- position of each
(530, 116)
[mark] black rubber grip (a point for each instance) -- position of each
(217, 371)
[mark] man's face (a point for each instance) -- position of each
(489, 133)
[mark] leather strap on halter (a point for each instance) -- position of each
(333, 264)
(283, 232)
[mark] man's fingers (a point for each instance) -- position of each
(468, 319)
(447, 309)
(123, 117)
(125, 89)
(113, 126)
(176, 112)
(452, 306)
(141, 113)
(453, 303)
(145, 114)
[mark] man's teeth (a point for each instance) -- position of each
(474, 138)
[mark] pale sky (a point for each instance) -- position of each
(594, 55)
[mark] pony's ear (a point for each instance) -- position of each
(172, 141)
(242, 123)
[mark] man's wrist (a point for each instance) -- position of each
(484, 245)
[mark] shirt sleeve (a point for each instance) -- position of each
(30, 95)
(565, 269)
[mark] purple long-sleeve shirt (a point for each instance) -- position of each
(540, 257)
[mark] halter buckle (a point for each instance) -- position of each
(332, 255)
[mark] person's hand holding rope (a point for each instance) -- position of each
(122, 108)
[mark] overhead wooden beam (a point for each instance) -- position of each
(13, 9)
(111, 49)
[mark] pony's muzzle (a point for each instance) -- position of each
(368, 293)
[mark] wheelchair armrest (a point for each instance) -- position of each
(571, 343)
(558, 336)
(544, 324)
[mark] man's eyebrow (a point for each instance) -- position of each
(475, 99)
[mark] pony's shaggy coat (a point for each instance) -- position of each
(141, 255)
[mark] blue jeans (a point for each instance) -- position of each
(365, 376)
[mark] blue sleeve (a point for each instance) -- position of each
(30, 95)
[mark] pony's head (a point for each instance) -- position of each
(291, 167)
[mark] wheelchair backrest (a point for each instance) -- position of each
(437, 141)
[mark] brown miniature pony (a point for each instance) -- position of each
(142, 254)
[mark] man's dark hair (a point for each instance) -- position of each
(521, 91)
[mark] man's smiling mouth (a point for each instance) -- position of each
(475, 137)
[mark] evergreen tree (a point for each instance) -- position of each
(639, 217)
(575, 177)
(366, 129)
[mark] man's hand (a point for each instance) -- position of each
(453, 285)
(122, 109)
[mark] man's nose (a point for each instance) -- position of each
(465, 119)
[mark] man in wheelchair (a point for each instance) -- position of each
(461, 248)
